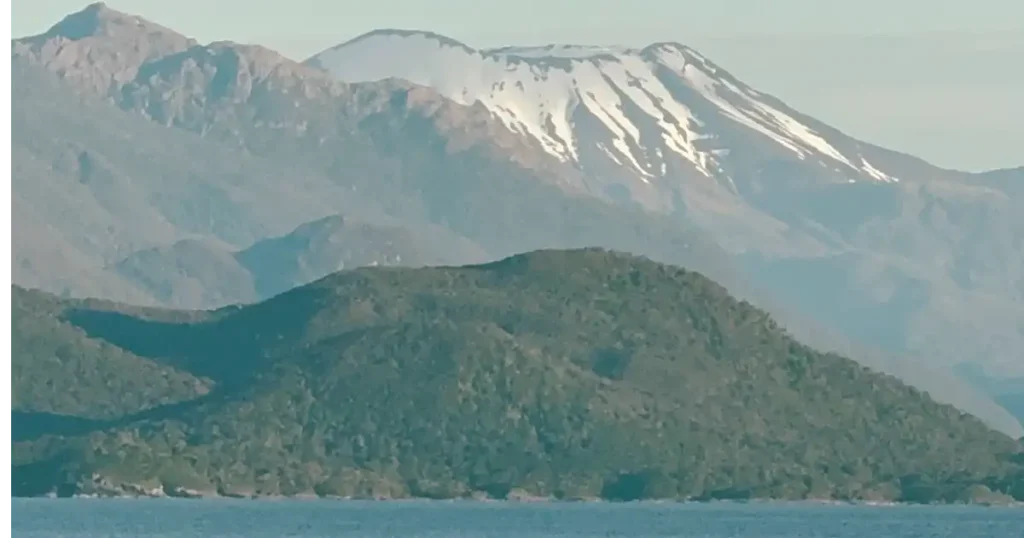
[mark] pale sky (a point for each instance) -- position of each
(940, 79)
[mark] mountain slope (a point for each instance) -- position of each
(194, 272)
(564, 373)
(800, 202)
(91, 185)
(333, 243)
(316, 148)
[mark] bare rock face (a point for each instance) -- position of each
(98, 49)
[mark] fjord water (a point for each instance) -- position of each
(85, 518)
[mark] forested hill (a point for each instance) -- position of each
(566, 374)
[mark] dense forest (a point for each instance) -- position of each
(558, 374)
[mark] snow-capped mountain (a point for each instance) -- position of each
(657, 112)
(855, 234)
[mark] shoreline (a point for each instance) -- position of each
(302, 498)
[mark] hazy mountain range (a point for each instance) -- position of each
(152, 169)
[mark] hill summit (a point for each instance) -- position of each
(568, 374)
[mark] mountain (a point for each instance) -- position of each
(663, 112)
(92, 185)
(145, 164)
(99, 48)
(194, 272)
(572, 374)
(261, 145)
(331, 244)
(894, 252)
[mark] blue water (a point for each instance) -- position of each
(44, 518)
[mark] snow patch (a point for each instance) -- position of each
(876, 173)
(537, 91)
(558, 51)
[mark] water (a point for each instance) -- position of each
(43, 518)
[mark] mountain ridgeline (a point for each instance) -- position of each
(562, 374)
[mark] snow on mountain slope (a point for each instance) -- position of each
(652, 102)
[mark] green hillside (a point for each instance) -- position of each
(58, 369)
(556, 373)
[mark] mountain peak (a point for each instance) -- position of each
(527, 52)
(404, 34)
(650, 113)
(98, 19)
(673, 47)
(100, 48)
